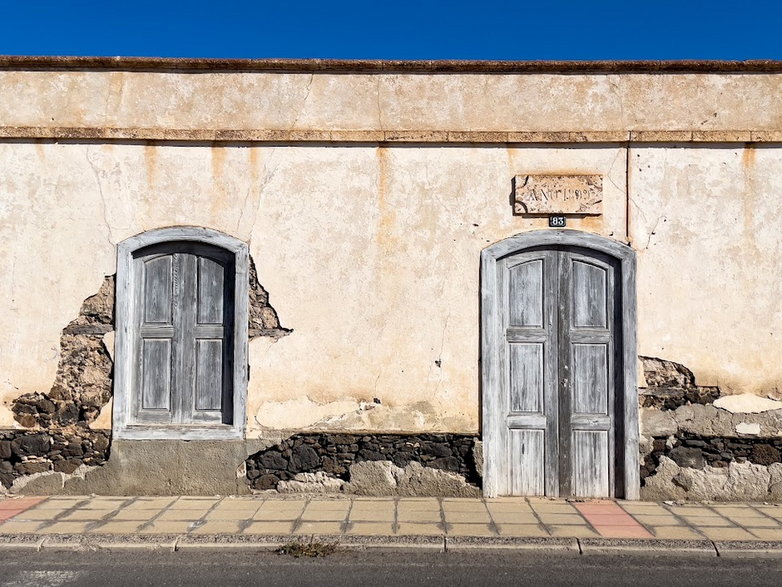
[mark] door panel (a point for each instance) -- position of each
(158, 283)
(209, 378)
(527, 457)
(589, 295)
(211, 285)
(590, 378)
(590, 459)
(156, 367)
(526, 303)
(526, 377)
(183, 335)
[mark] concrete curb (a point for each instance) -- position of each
(440, 543)
(748, 548)
(464, 543)
(648, 546)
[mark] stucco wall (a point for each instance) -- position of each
(392, 101)
(706, 227)
(369, 254)
(369, 251)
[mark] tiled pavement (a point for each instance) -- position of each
(377, 517)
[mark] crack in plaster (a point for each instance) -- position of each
(614, 85)
(379, 107)
(96, 173)
(303, 103)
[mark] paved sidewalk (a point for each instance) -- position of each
(490, 521)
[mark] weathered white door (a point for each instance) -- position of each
(556, 403)
(183, 313)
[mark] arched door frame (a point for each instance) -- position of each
(124, 325)
(491, 336)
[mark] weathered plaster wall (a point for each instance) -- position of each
(370, 256)
(392, 101)
(705, 223)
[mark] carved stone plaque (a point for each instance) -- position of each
(558, 194)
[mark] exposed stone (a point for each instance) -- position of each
(29, 468)
(420, 480)
(337, 454)
(5, 449)
(662, 373)
(764, 454)
(68, 466)
(737, 482)
(748, 428)
(376, 478)
(661, 486)
(267, 482)
(656, 422)
(263, 319)
(688, 457)
(83, 382)
(311, 483)
(477, 455)
(670, 385)
(35, 452)
(32, 445)
(775, 482)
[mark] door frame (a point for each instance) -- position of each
(125, 333)
(626, 422)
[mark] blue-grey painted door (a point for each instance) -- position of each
(183, 320)
(558, 313)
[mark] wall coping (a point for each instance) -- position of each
(202, 65)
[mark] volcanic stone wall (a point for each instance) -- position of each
(692, 449)
(334, 454)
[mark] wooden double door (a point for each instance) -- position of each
(557, 421)
(183, 348)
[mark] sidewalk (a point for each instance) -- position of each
(442, 523)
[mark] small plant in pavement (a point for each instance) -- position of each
(313, 548)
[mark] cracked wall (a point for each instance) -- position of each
(56, 425)
(371, 254)
(709, 260)
(60, 430)
(699, 445)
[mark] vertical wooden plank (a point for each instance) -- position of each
(158, 290)
(209, 374)
(551, 377)
(526, 300)
(185, 339)
(492, 423)
(590, 459)
(211, 287)
(526, 462)
(590, 378)
(565, 394)
(526, 377)
(589, 293)
(156, 374)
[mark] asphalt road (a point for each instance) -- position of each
(54, 569)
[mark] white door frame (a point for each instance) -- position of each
(627, 433)
(125, 333)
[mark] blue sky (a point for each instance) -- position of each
(396, 29)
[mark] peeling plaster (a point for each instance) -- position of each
(747, 403)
